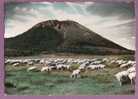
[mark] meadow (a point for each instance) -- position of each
(92, 82)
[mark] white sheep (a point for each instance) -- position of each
(132, 77)
(129, 63)
(102, 66)
(75, 74)
(96, 62)
(120, 62)
(93, 67)
(46, 68)
(119, 76)
(112, 61)
(32, 68)
(105, 60)
(42, 61)
(124, 65)
(16, 64)
(68, 67)
(82, 66)
(131, 69)
(59, 67)
(30, 63)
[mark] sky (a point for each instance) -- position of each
(112, 20)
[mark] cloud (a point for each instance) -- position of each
(124, 10)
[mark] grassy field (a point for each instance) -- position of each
(102, 82)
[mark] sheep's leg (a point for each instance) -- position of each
(74, 76)
(71, 76)
(48, 71)
(131, 81)
(78, 76)
(120, 84)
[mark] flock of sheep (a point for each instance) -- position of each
(49, 64)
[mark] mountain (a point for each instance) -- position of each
(61, 36)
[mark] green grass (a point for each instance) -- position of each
(102, 82)
(59, 83)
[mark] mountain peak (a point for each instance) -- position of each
(55, 23)
(64, 36)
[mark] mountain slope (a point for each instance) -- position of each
(62, 36)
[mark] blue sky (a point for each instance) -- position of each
(114, 21)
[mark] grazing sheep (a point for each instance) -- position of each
(93, 67)
(124, 65)
(75, 74)
(46, 68)
(131, 62)
(96, 62)
(90, 67)
(122, 77)
(113, 61)
(128, 64)
(131, 69)
(82, 66)
(101, 66)
(33, 68)
(42, 61)
(120, 62)
(68, 67)
(30, 63)
(59, 67)
(16, 64)
(132, 77)
(65, 66)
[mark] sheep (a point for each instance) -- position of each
(46, 68)
(132, 77)
(42, 61)
(96, 62)
(82, 66)
(75, 73)
(123, 65)
(105, 60)
(131, 62)
(8, 61)
(120, 62)
(131, 69)
(113, 61)
(128, 64)
(93, 67)
(59, 67)
(30, 63)
(36, 60)
(102, 66)
(121, 76)
(32, 68)
(68, 67)
(16, 64)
